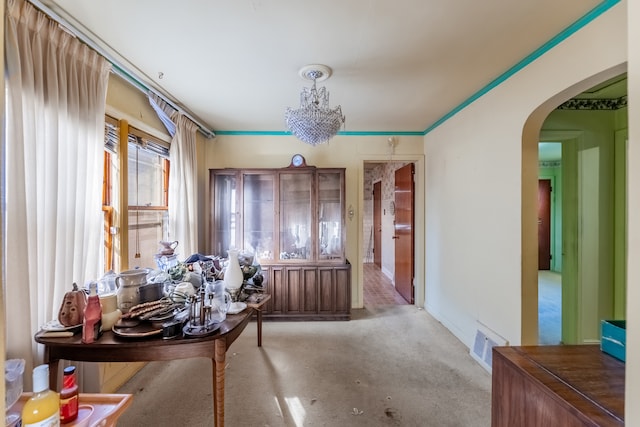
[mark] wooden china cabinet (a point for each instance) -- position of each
(293, 220)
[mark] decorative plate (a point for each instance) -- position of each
(56, 326)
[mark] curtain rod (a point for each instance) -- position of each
(118, 68)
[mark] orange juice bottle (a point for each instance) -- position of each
(43, 407)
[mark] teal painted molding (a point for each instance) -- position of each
(253, 132)
(398, 133)
(286, 133)
(557, 39)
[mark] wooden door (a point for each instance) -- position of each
(544, 224)
(403, 229)
(377, 224)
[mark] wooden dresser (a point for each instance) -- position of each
(547, 386)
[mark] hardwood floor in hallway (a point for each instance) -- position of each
(378, 289)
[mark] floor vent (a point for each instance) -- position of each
(484, 342)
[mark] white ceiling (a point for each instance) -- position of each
(398, 66)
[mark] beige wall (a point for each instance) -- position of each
(475, 223)
(480, 223)
(349, 152)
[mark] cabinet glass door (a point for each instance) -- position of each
(225, 208)
(259, 214)
(295, 216)
(329, 242)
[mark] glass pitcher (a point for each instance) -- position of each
(128, 284)
(218, 299)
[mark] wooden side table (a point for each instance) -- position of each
(257, 306)
(107, 408)
(111, 348)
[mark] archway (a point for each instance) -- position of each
(530, 139)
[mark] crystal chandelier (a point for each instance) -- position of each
(314, 122)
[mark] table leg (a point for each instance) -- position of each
(219, 360)
(259, 321)
(53, 369)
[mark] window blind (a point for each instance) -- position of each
(135, 136)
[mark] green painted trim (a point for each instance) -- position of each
(570, 313)
(620, 225)
(287, 133)
(253, 132)
(557, 39)
(127, 76)
(366, 133)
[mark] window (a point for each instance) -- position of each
(148, 177)
(108, 193)
(147, 184)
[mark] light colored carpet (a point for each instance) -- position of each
(549, 307)
(388, 366)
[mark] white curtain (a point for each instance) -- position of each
(183, 186)
(56, 93)
(183, 176)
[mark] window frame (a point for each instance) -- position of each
(115, 221)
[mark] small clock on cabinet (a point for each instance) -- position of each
(298, 161)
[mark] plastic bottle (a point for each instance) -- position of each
(43, 407)
(69, 396)
(92, 323)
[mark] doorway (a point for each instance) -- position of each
(380, 264)
(549, 243)
(403, 224)
(544, 224)
(377, 224)
(588, 205)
